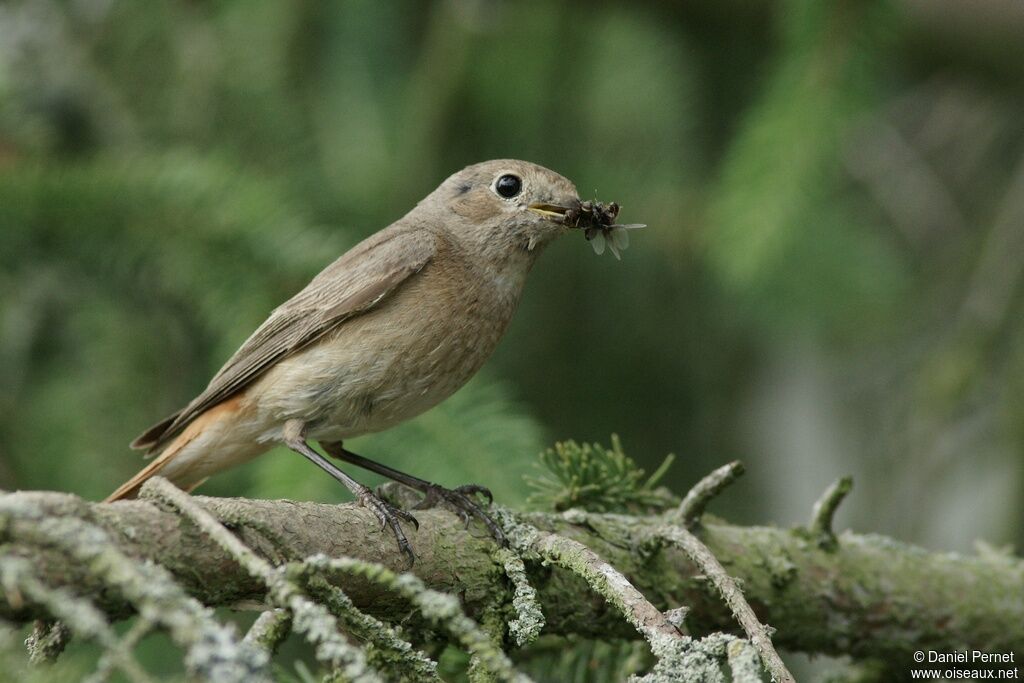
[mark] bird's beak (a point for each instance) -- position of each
(550, 211)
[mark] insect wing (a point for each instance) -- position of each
(620, 238)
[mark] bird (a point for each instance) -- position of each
(388, 330)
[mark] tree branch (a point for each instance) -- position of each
(869, 597)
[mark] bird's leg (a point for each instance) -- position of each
(388, 515)
(460, 498)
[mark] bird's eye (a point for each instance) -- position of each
(508, 186)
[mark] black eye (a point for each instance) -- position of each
(508, 186)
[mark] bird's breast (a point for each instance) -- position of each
(396, 361)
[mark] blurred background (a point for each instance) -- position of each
(830, 283)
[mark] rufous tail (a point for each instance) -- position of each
(222, 411)
(130, 489)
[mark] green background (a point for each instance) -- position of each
(830, 283)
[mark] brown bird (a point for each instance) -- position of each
(388, 330)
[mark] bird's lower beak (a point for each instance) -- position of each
(551, 211)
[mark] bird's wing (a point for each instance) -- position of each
(352, 285)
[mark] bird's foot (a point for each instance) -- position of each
(389, 516)
(461, 500)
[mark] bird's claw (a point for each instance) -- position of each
(474, 489)
(388, 516)
(461, 500)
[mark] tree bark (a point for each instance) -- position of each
(870, 596)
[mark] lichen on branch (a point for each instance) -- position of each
(331, 576)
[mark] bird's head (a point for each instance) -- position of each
(505, 208)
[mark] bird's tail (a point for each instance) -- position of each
(130, 489)
(210, 443)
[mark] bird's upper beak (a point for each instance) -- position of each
(555, 212)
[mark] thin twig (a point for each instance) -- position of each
(212, 651)
(530, 619)
(825, 509)
(676, 653)
(392, 652)
(679, 656)
(47, 640)
(697, 498)
(744, 662)
(441, 608)
(756, 632)
(310, 619)
(652, 624)
(112, 658)
(81, 616)
(269, 630)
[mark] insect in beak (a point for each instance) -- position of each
(597, 221)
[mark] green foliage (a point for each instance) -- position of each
(597, 479)
(787, 242)
(125, 283)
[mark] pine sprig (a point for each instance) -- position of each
(598, 479)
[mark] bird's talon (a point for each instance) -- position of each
(406, 550)
(388, 515)
(473, 489)
(412, 520)
(465, 507)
